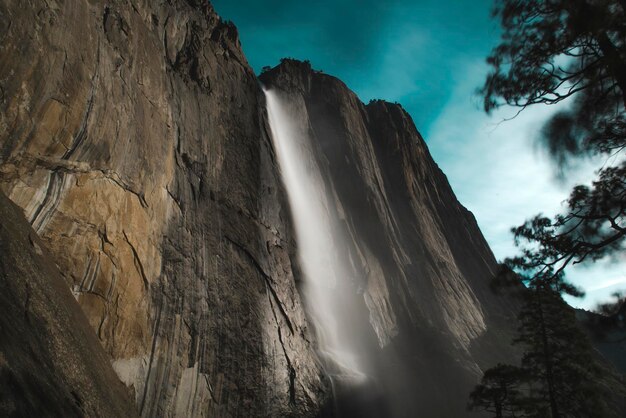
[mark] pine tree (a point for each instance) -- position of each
(558, 358)
(500, 391)
(568, 50)
(559, 376)
(553, 51)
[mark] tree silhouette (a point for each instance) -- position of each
(590, 230)
(551, 51)
(559, 358)
(554, 49)
(559, 376)
(501, 391)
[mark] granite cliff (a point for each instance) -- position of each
(51, 363)
(134, 137)
(420, 265)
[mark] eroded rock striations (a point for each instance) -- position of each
(51, 363)
(133, 135)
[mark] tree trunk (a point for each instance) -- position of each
(548, 363)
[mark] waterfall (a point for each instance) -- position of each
(325, 289)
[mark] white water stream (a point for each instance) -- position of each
(324, 272)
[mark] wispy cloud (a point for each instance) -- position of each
(608, 283)
(499, 173)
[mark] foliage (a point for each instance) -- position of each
(500, 391)
(551, 51)
(591, 229)
(554, 49)
(558, 376)
(560, 358)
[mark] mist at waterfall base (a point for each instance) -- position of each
(331, 294)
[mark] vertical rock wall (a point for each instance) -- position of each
(132, 134)
(421, 267)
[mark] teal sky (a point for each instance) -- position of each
(429, 56)
(405, 51)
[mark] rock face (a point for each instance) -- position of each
(51, 363)
(419, 258)
(133, 135)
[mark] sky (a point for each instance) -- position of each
(429, 55)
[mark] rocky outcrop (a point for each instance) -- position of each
(132, 134)
(51, 363)
(421, 266)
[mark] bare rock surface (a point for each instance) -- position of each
(132, 134)
(51, 363)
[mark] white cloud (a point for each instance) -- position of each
(500, 175)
